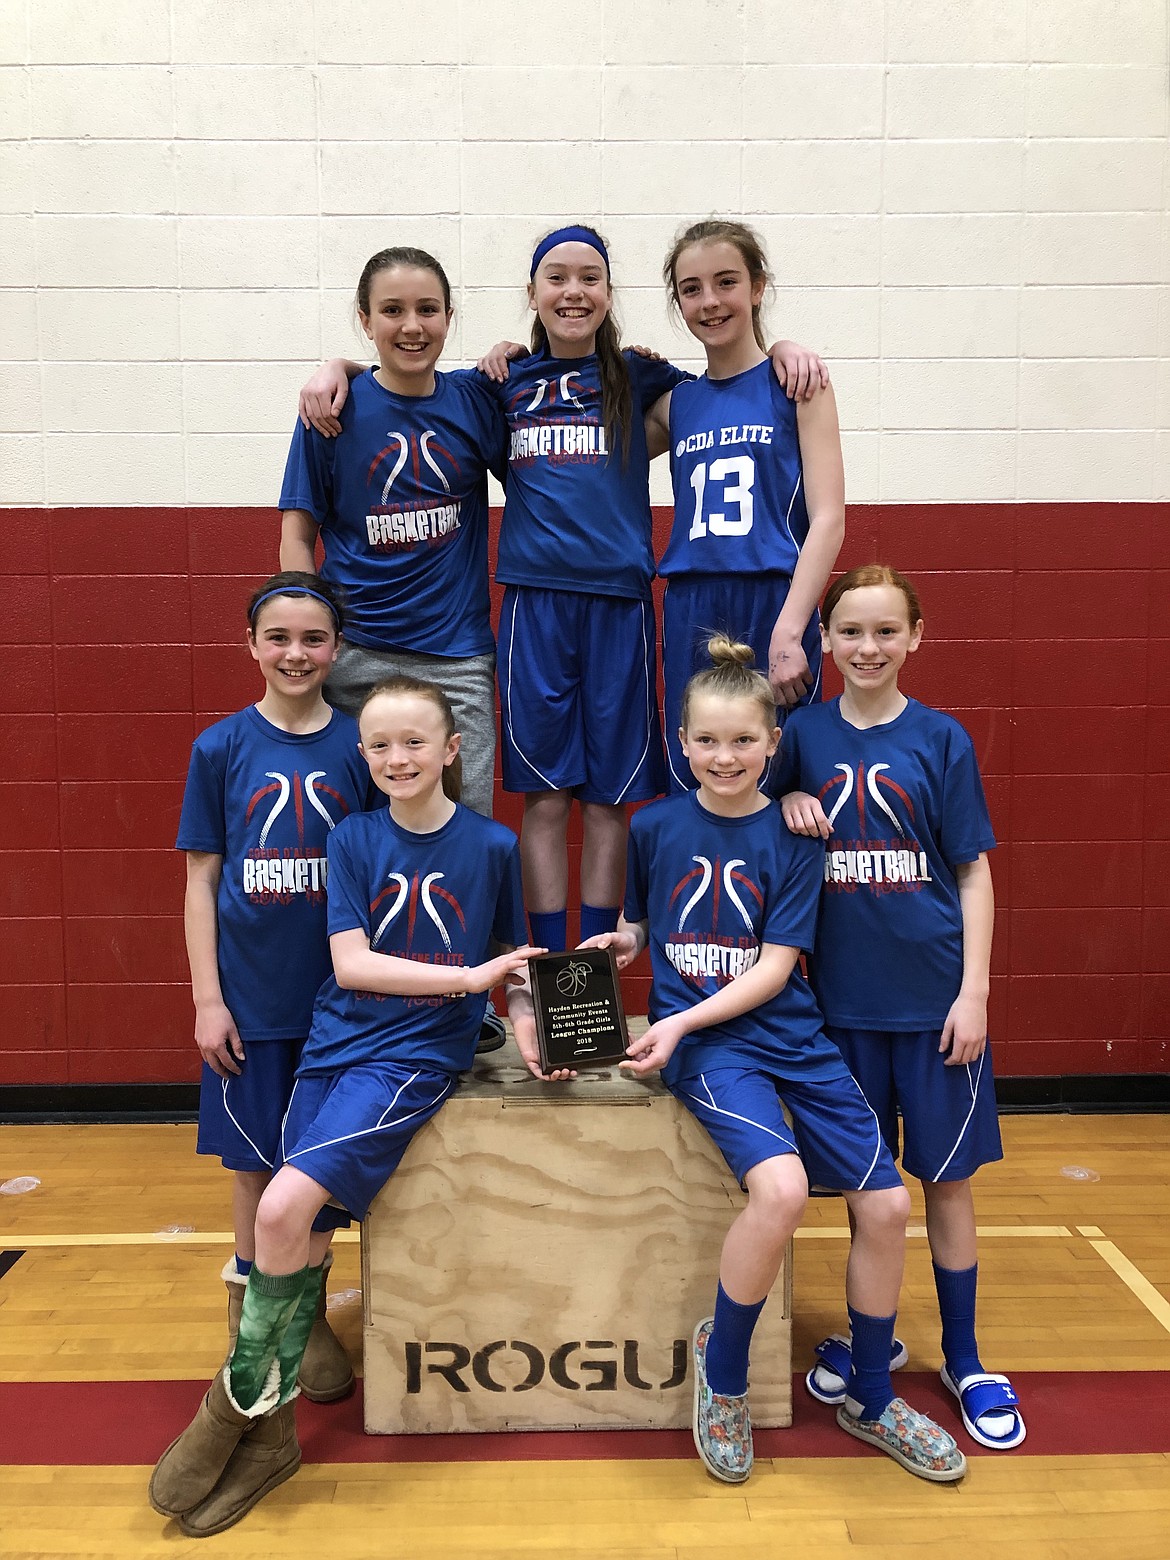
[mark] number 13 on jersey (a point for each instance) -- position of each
(737, 473)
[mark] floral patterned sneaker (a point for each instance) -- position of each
(722, 1426)
(910, 1438)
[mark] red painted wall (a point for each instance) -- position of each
(1045, 637)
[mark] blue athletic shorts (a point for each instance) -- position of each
(239, 1117)
(949, 1122)
(834, 1131)
(349, 1130)
(743, 606)
(578, 696)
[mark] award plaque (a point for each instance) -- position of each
(579, 1017)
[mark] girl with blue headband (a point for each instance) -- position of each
(265, 789)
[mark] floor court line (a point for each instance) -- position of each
(350, 1237)
(1130, 1275)
(1135, 1281)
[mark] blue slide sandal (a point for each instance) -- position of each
(826, 1380)
(987, 1397)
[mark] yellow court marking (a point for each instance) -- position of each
(1135, 1281)
(351, 1236)
(1090, 1232)
(156, 1238)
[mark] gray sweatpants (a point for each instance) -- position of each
(470, 684)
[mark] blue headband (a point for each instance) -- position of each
(294, 590)
(568, 235)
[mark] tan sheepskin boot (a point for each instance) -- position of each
(325, 1374)
(191, 1466)
(265, 1457)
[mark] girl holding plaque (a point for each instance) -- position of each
(418, 891)
(726, 899)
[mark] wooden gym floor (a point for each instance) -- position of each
(111, 1321)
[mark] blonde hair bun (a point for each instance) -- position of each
(725, 651)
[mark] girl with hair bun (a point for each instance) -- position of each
(726, 900)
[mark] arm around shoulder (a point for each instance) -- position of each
(657, 421)
(298, 540)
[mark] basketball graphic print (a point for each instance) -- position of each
(572, 980)
(417, 448)
(716, 882)
(715, 937)
(415, 897)
(872, 792)
(291, 787)
(411, 481)
(286, 857)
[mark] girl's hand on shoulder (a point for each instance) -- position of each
(524, 1028)
(322, 398)
(649, 352)
(219, 1040)
(507, 969)
(653, 1050)
(804, 814)
(799, 369)
(624, 945)
(495, 362)
(965, 1031)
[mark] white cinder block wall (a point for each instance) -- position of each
(965, 206)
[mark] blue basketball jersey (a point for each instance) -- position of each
(906, 806)
(267, 801)
(735, 464)
(576, 516)
(438, 898)
(401, 498)
(714, 890)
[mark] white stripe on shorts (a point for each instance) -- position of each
(974, 1087)
(240, 1129)
(709, 1104)
(648, 704)
(382, 1125)
(508, 714)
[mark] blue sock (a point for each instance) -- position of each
(869, 1378)
(596, 919)
(243, 1266)
(549, 929)
(956, 1306)
(729, 1343)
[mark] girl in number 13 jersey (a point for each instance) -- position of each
(759, 488)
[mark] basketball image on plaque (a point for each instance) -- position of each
(580, 1021)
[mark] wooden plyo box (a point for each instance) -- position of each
(541, 1256)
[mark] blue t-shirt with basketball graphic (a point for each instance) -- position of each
(576, 515)
(401, 498)
(267, 801)
(438, 898)
(739, 505)
(905, 805)
(714, 890)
